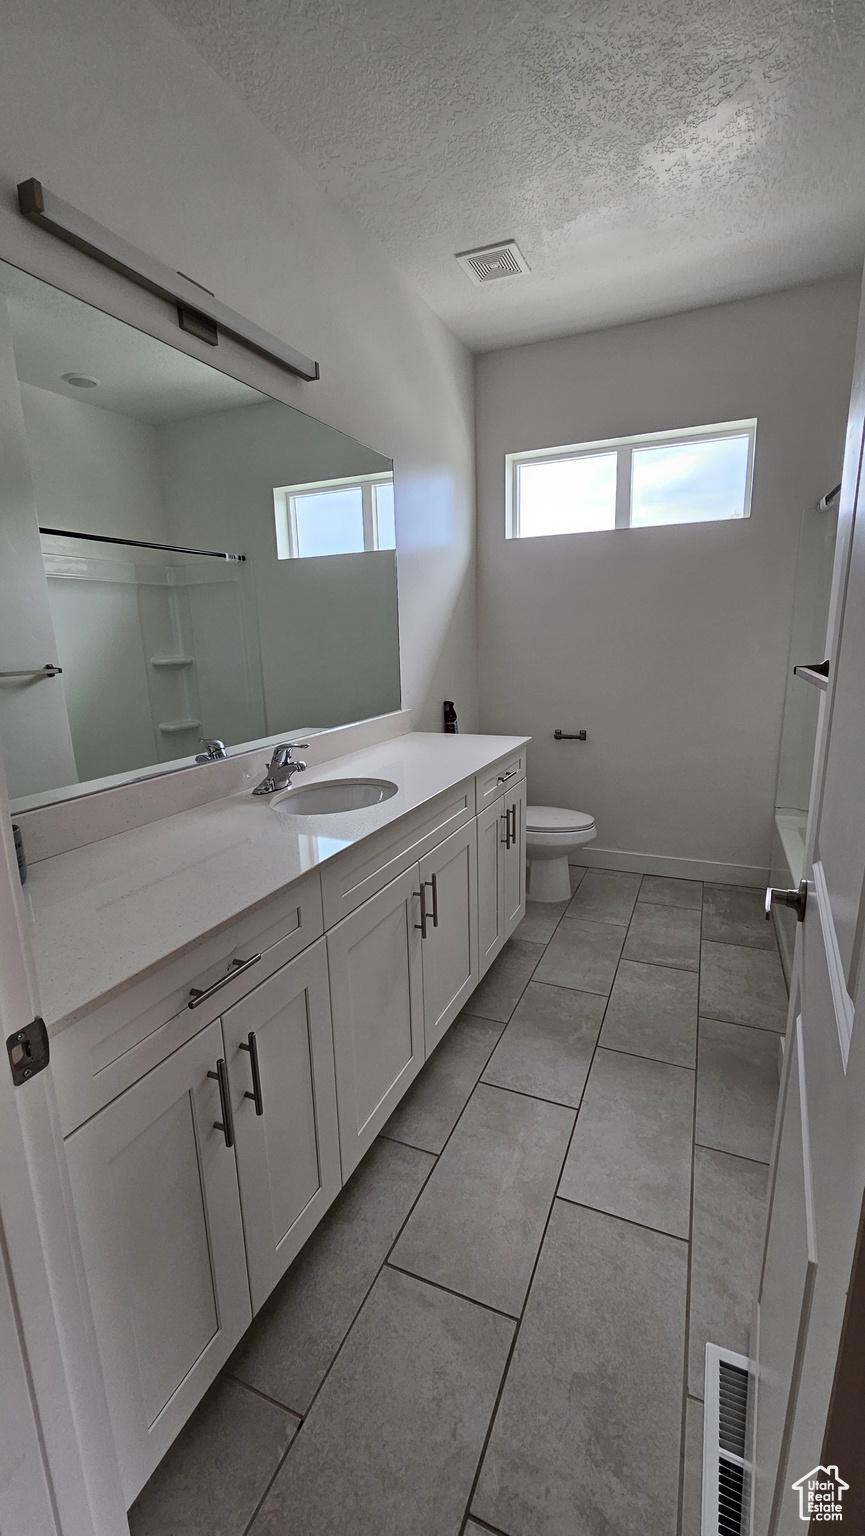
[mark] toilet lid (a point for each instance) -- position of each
(551, 818)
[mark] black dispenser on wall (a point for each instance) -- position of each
(450, 715)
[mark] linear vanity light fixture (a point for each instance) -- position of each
(174, 549)
(197, 310)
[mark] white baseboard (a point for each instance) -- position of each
(679, 869)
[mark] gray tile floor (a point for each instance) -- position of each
(499, 1325)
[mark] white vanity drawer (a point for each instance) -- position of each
(360, 872)
(494, 781)
(101, 1055)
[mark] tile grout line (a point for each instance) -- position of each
(248, 1527)
(478, 1469)
(295, 1413)
(317, 1393)
(556, 1196)
(468, 1512)
(513, 1345)
(660, 1061)
(523, 1093)
(484, 1526)
(765, 1029)
(758, 1162)
(437, 1285)
(687, 1330)
(643, 1226)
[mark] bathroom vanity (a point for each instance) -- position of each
(238, 997)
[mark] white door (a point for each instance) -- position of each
(25, 1501)
(808, 1259)
(514, 809)
(155, 1189)
(279, 1050)
(449, 930)
(53, 1417)
(376, 993)
(492, 836)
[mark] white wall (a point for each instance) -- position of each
(94, 471)
(328, 626)
(668, 645)
(114, 112)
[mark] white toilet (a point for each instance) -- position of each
(551, 834)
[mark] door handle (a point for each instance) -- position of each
(435, 890)
(513, 813)
(797, 899)
(423, 911)
(226, 1124)
(250, 1044)
(236, 968)
(507, 821)
(503, 777)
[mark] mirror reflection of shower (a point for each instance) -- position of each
(128, 469)
(158, 648)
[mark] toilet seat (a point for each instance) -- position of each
(553, 819)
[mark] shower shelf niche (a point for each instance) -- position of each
(177, 727)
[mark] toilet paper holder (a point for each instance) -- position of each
(569, 735)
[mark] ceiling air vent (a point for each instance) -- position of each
(490, 262)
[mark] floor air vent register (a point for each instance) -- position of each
(727, 1473)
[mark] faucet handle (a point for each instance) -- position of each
(215, 750)
(282, 752)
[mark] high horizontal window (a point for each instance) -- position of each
(334, 517)
(699, 475)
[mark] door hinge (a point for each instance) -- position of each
(27, 1050)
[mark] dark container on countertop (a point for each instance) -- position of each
(450, 714)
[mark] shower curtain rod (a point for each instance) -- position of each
(825, 501)
(174, 549)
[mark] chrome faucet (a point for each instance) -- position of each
(281, 768)
(214, 750)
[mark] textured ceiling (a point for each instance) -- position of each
(647, 157)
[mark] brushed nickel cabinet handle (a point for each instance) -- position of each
(423, 911)
(507, 821)
(503, 777)
(435, 890)
(226, 1124)
(250, 1044)
(197, 996)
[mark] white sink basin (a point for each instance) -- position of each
(335, 796)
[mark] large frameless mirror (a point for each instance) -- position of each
(182, 558)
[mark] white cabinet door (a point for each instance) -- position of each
(449, 919)
(491, 883)
(155, 1192)
(376, 993)
(279, 1050)
(514, 806)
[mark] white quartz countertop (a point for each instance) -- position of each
(108, 914)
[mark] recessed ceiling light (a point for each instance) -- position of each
(490, 262)
(81, 380)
